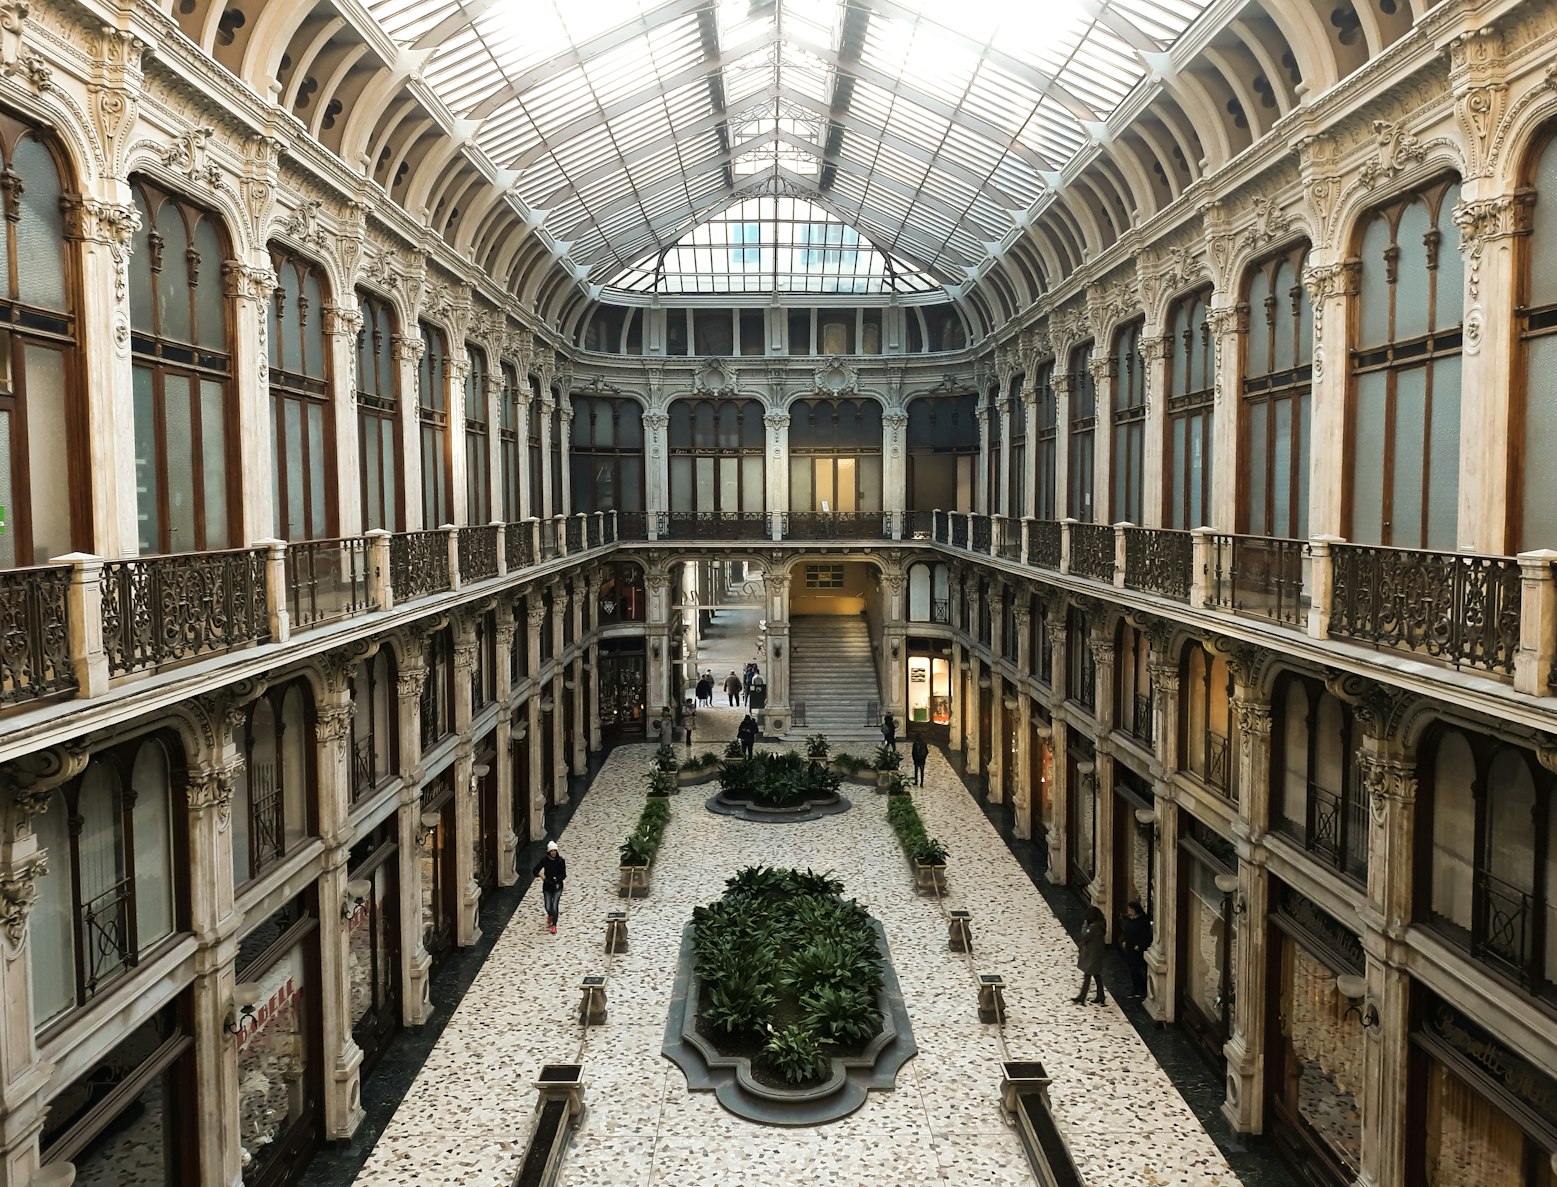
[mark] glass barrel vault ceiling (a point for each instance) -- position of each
(928, 126)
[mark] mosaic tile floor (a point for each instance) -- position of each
(466, 1116)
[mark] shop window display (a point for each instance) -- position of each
(1323, 1047)
(929, 690)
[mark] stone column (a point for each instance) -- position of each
(778, 468)
(1104, 371)
(894, 465)
(660, 683)
(564, 496)
(1059, 646)
(1022, 776)
(776, 584)
(1331, 283)
(549, 501)
(656, 463)
(1060, 382)
(1229, 326)
(342, 325)
(1003, 411)
(503, 739)
(1155, 349)
(466, 932)
(1162, 956)
(981, 489)
(894, 641)
(250, 288)
(408, 350)
(415, 962)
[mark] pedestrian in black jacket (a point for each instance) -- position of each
(746, 732)
(921, 755)
(1135, 937)
(889, 730)
(554, 869)
(1089, 958)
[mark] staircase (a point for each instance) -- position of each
(832, 672)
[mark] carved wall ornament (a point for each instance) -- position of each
(1394, 149)
(836, 376)
(29, 781)
(332, 723)
(303, 224)
(18, 896)
(211, 789)
(108, 224)
(715, 377)
(1480, 223)
(189, 154)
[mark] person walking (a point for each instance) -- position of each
(1135, 937)
(1089, 958)
(920, 754)
(554, 869)
(747, 733)
(732, 688)
(757, 694)
(746, 678)
(705, 689)
(889, 730)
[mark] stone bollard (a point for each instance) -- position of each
(992, 1001)
(616, 931)
(960, 932)
(592, 1009)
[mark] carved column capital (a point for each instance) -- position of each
(18, 896)
(332, 723)
(30, 781)
(409, 682)
(210, 789)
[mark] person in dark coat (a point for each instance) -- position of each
(1089, 958)
(921, 755)
(746, 678)
(705, 690)
(554, 870)
(732, 689)
(889, 730)
(747, 733)
(1135, 937)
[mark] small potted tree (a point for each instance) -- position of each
(734, 751)
(929, 858)
(888, 760)
(816, 748)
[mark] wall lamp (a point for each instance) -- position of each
(1228, 885)
(357, 891)
(1355, 989)
(896, 650)
(1147, 818)
(240, 1015)
(430, 822)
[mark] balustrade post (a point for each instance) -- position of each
(1121, 545)
(1537, 622)
(616, 527)
(276, 589)
(1321, 592)
(1199, 567)
(380, 587)
(453, 534)
(1065, 526)
(560, 528)
(533, 526)
(500, 533)
(1022, 554)
(84, 617)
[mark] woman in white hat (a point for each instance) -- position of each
(554, 869)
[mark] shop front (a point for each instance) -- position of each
(373, 942)
(1080, 811)
(928, 695)
(484, 838)
(621, 668)
(439, 885)
(1208, 938)
(519, 777)
(1040, 775)
(1134, 843)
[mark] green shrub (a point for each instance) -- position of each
(734, 750)
(816, 747)
(796, 1053)
(841, 1014)
(643, 842)
(661, 781)
(903, 816)
(887, 759)
(741, 1005)
(852, 763)
(665, 757)
(702, 762)
(777, 778)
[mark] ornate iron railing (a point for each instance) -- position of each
(418, 563)
(107, 944)
(919, 525)
(1141, 717)
(940, 610)
(608, 528)
(632, 525)
(1336, 830)
(1043, 543)
(594, 531)
(34, 634)
(1008, 538)
(1216, 771)
(1092, 551)
(1160, 561)
(162, 609)
(940, 530)
(959, 530)
(835, 525)
(548, 539)
(1262, 576)
(364, 767)
(327, 580)
(1454, 607)
(980, 533)
(519, 546)
(716, 525)
(1505, 934)
(573, 534)
(478, 553)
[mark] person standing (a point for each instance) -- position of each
(747, 733)
(732, 688)
(747, 677)
(921, 755)
(1089, 957)
(553, 869)
(705, 689)
(1135, 937)
(889, 730)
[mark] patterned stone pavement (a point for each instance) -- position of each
(466, 1118)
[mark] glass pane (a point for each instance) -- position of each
(1450, 308)
(180, 461)
(51, 935)
(292, 445)
(48, 466)
(848, 500)
(1300, 528)
(273, 1056)
(141, 301)
(800, 489)
(319, 498)
(1411, 286)
(729, 484)
(372, 477)
(753, 495)
(153, 845)
(40, 234)
(682, 498)
(173, 280)
(1373, 305)
(870, 483)
(1454, 831)
(1543, 230)
(210, 303)
(9, 512)
(705, 485)
(1367, 460)
(213, 440)
(391, 471)
(148, 505)
(1281, 468)
(1444, 447)
(1539, 517)
(1258, 464)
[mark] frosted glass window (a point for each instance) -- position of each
(753, 496)
(213, 442)
(1259, 463)
(148, 497)
(1454, 831)
(1374, 302)
(682, 496)
(1543, 229)
(1412, 286)
(150, 780)
(51, 931)
(1368, 458)
(48, 466)
(1539, 516)
(7, 538)
(1449, 302)
(1409, 455)
(40, 233)
(181, 461)
(173, 283)
(1444, 450)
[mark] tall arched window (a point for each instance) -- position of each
(1207, 724)
(181, 349)
(717, 465)
(109, 895)
(437, 703)
(1132, 682)
(508, 443)
(555, 450)
(432, 413)
(532, 443)
(1535, 457)
(1083, 430)
(1316, 797)
(375, 721)
(378, 415)
(929, 597)
(1191, 401)
(1018, 449)
(835, 456)
(478, 469)
(302, 429)
(1404, 438)
(272, 793)
(1277, 376)
(1047, 434)
(992, 492)
(606, 454)
(42, 426)
(1129, 417)
(943, 453)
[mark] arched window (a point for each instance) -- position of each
(1191, 400)
(1083, 430)
(437, 702)
(1082, 673)
(478, 469)
(555, 449)
(1277, 376)
(302, 429)
(943, 452)
(374, 722)
(1316, 796)
(533, 449)
(1531, 500)
(717, 465)
(42, 425)
(929, 596)
(1487, 839)
(1132, 683)
(508, 443)
(181, 350)
(1207, 727)
(1047, 434)
(1017, 507)
(432, 413)
(1129, 416)
(378, 415)
(606, 454)
(1404, 438)
(109, 895)
(273, 791)
(835, 456)
(992, 502)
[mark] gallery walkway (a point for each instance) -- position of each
(467, 1115)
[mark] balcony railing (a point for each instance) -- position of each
(919, 525)
(573, 534)
(327, 580)
(1043, 543)
(519, 546)
(478, 553)
(1008, 538)
(1212, 764)
(419, 563)
(940, 610)
(714, 525)
(1262, 576)
(364, 768)
(1457, 608)
(1506, 931)
(980, 534)
(940, 529)
(835, 525)
(1159, 561)
(1337, 830)
(160, 610)
(632, 525)
(1141, 718)
(34, 634)
(959, 530)
(548, 539)
(1092, 551)
(594, 531)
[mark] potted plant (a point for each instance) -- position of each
(662, 781)
(929, 858)
(897, 784)
(816, 748)
(636, 854)
(734, 750)
(887, 762)
(665, 757)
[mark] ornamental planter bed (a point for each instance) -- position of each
(641, 847)
(777, 787)
(785, 1004)
(926, 854)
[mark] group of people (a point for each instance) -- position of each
(747, 689)
(1135, 937)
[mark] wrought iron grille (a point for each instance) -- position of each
(430, 708)
(835, 525)
(162, 609)
(108, 948)
(519, 546)
(919, 525)
(1336, 830)
(1262, 576)
(1043, 543)
(327, 580)
(940, 610)
(364, 767)
(1216, 758)
(959, 530)
(979, 533)
(1092, 551)
(1008, 538)
(939, 530)
(478, 553)
(267, 835)
(573, 533)
(716, 525)
(1159, 560)
(632, 525)
(418, 563)
(1141, 719)
(1454, 607)
(1505, 935)
(594, 531)
(34, 634)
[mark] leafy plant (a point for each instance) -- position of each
(662, 781)
(887, 759)
(841, 1014)
(665, 757)
(852, 763)
(796, 1053)
(931, 853)
(816, 747)
(777, 779)
(734, 750)
(740, 1005)
(897, 785)
(637, 850)
(643, 842)
(702, 762)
